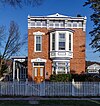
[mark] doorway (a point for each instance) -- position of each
(39, 72)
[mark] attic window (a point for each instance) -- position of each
(57, 14)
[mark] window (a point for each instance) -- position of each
(23, 73)
(38, 23)
(69, 24)
(74, 24)
(57, 24)
(38, 41)
(41, 72)
(35, 71)
(61, 41)
(61, 68)
(53, 41)
(61, 23)
(33, 23)
(51, 23)
(38, 63)
(43, 23)
(69, 41)
(80, 24)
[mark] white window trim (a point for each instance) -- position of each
(65, 40)
(35, 44)
(38, 33)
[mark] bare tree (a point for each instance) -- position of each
(21, 3)
(2, 35)
(12, 45)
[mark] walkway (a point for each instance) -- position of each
(46, 98)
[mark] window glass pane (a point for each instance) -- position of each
(38, 39)
(74, 24)
(53, 41)
(33, 23)
(38, 47)
(61, 67)
(62, 41)
(56, 24)
(69, 24)
(41, 71)
(35, 71)
(51, 23)
(80, 24)
(43, 23)
(38, 23)
(62, 23)
(38, 42)
(41, 64)
(35, 64)
(38, 63)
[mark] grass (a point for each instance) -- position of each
(71, 103)
(52, 103)
(14, 103)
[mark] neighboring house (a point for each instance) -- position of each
(6, 68)
(93, 69)
(56, 44)
(19, 68)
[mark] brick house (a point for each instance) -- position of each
(56, 44)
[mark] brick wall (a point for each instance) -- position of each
(77, 63)
(45, 50)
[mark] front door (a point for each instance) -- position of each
(38, 74)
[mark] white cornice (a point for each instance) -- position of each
(38, 33)
(38, 60)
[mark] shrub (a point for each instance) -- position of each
(60, 77)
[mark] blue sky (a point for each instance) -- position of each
(65, 7)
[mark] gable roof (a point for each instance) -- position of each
(88, 63)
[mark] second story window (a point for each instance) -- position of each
(53, 41)
(61, 41)
(38, 44)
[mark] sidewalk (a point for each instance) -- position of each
(46, 98)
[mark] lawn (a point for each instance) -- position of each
(71, 103)
(52, 103)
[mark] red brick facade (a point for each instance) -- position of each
(60, 47)
(77, 63)
(45, 50)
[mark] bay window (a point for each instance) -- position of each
(61, 68)
(61, 41)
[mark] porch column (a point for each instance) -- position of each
(17, 74)
(13, 70)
